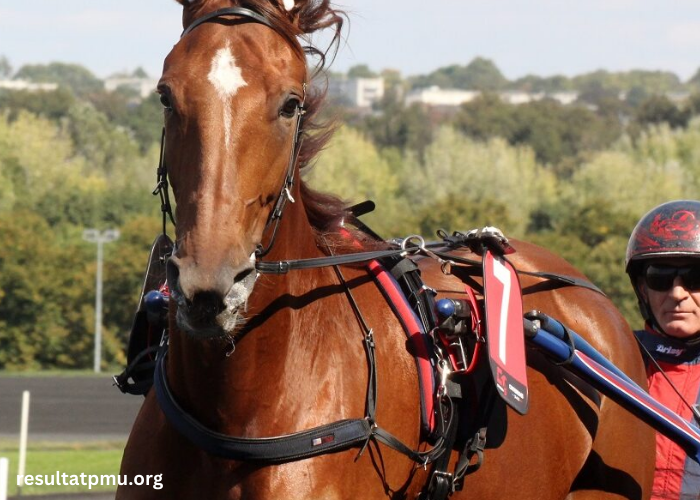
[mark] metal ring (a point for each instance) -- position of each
(418, 237)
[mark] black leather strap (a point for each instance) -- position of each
(284, 266)
(560, 278)
(230, 11)
(336, 436)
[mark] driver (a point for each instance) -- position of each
(663, 263)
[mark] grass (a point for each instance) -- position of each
(47, 458)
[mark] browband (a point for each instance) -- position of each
(230, 11)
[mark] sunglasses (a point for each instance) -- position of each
(660, 278)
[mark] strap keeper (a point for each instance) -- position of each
(441, 485)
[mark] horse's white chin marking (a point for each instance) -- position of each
(236, 300)
(226, 77)
(228, 320)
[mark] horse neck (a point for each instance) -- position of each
(279, 346)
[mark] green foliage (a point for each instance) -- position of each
(654, 82)
(489, 174)
(485, 117)
(51, 187)
(659, 109)
(143, 120)
(73, 76)
(53, 104)
(574, 179)
(101, 143)
(694, 81)
(480, 74)
(361, 71)
(554, 131)
(42, 325)
(5, 68)
(404, 128)
(534, 83)
(353, 169)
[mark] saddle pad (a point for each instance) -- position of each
(420, 343)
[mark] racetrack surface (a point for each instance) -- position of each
(67, 408)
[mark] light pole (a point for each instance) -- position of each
(95, 236)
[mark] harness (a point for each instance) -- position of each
(396, 275)
(392, 269)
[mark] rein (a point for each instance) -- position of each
(436, 250)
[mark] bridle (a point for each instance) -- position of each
(285, 193)
(319, 440)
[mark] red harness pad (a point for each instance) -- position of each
(504, 331)
(420, 342)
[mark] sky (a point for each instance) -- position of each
(541, 37)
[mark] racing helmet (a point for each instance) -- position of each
(670, 230)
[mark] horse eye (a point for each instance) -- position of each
(165, 101)
(290, 107)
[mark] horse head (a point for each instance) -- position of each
(233, 89)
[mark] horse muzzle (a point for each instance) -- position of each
(210, 300)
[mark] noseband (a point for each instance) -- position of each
(285, 193)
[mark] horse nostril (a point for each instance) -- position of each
(205, 306)
(172, 274)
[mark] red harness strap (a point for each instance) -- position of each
(420, 342)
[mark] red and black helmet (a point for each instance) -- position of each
(670, 230)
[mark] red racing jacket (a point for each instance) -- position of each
(677, 477)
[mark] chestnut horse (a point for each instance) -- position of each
(259, 355)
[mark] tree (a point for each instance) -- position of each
(636, 96)
(534, 83)
(139, 73)
(53, 104)
(479, 74)
(485, 117)
(660, 109)
(595, 92)
(5, 68)
(486, 174)
(73, 76)
(361, 71)
(144, 120)
(352, 168)
(557, 132)
(104, 145)
(44, 322)
(654, 82)
(482, 74)
(398, 126)
(694, 80)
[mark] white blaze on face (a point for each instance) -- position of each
(226, 78)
